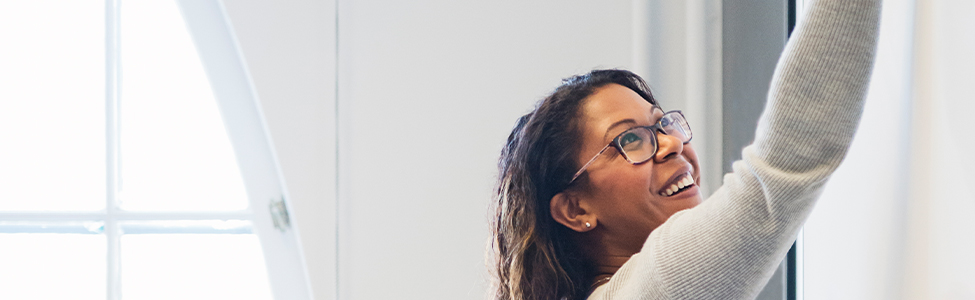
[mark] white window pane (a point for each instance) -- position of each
(52, 105)
(175, 153)
(52, 266)
(193, 266)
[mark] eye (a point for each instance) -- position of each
(665, 121)
(631, 141)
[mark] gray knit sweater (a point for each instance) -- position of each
(729, 246)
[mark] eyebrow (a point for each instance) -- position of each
(618, 123)
(626, 121)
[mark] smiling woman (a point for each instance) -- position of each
(598, 198)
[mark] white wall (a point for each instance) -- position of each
(289, 49)
(428, 91)
(895, 220)
(941, 229)
(854, 244)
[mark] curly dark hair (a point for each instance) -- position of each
(531, 255)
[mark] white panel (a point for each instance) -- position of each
(245, 126)
(428, 92)
(289, 47)
(854, 239)
(940, 263)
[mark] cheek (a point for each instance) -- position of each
(691, 156)
(626, 186)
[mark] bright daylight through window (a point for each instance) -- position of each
(118, 180)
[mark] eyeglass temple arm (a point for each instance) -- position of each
(583, 169)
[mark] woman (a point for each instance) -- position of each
(598, 197)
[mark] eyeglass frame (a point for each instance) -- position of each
(656, 127)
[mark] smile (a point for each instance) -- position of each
(680, 184)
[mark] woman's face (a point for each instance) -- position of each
(628, 200)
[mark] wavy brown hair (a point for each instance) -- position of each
(532, 256)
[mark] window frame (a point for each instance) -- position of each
(751, 35)
(267, 212)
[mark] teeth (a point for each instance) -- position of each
(685, 182)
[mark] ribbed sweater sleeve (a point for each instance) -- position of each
(729, 246)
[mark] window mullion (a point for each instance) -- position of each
(98, 216)
(112, 84)
(112, 235)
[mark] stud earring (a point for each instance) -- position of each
(588, 225)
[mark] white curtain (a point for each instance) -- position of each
(896, 219)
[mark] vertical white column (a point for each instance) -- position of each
(112, 69)
(677, 49)
(855, 239)
(939, 241)
(702, 84)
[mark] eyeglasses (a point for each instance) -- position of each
(639, 144)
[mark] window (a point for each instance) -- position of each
(118, 178)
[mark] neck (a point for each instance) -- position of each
(608, 264)
(607, 256)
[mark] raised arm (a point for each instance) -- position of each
(728, 247)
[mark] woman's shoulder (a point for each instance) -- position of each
(598, 294)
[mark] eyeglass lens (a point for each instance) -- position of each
(640, 144)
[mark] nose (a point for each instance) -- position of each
(668, 147)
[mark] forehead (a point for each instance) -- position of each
(613, 103)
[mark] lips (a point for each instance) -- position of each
(677, 184)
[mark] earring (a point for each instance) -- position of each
(588, 225)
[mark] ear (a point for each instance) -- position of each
(566, 209)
